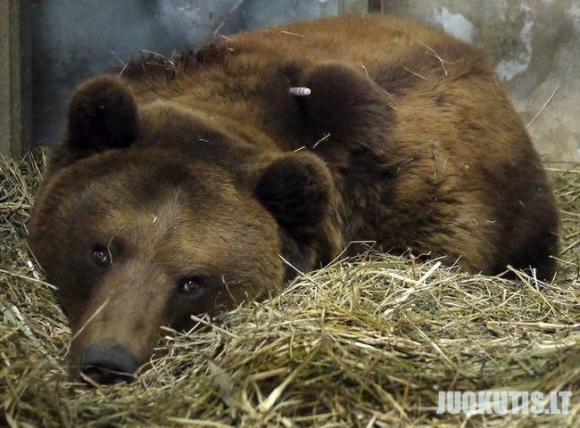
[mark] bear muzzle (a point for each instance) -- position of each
(108, 364)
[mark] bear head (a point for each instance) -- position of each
(150, 214)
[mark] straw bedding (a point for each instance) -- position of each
(362, 343)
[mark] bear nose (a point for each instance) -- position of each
(108, 364)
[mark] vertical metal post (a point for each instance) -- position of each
(15, 78)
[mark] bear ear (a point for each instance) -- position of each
(345, 102)
(296, 189)
(102, 114)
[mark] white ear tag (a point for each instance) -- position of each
(300, 91)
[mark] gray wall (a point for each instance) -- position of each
(76, 39)
(534, 46)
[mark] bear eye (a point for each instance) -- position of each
(190, 284)
(101, 256)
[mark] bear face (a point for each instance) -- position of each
(145, 229)
(185, 190)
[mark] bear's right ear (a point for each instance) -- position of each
(102, 114)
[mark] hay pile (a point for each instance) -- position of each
(362, 343)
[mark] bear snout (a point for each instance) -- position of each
(108, 364)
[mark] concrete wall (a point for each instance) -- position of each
(76, 39)
(535, 48)
(533, 44)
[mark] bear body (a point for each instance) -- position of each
(187, 187)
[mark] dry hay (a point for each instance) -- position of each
(362, 343)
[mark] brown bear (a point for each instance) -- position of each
(186, 187)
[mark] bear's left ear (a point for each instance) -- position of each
(102, 114)
(296, 189)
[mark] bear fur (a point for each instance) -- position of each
(188, 186)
